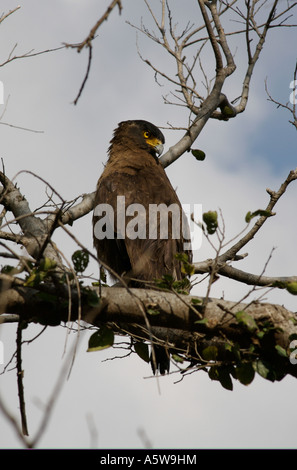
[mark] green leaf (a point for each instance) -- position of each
(210, 353)
(229, 347)
(46, 264)
(101, 339)
(292, 287)
(228, 111)
(264, 369)
(80, 260)
(246, 320)
(165, 282)
(152, 311)
(182, 287)
(198, 154)
(186, 267)
(31, 280)
(234, 349)
(202, 322)
(281, 351)
(213, 373)
(35, 278)
(177, 358)
(250, 215)
(222, 375)
(245, 373)
(142, 350)
(225, 379)
(293, 336)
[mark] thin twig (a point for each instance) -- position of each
(20, 374)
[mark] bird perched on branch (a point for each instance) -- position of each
(138, 225)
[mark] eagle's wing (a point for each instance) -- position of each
(141, 250)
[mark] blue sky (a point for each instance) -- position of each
(243, 157)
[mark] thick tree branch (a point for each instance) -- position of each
(35, 231)
(176, 322)
(243, 276)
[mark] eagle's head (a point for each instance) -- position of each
(143, 134)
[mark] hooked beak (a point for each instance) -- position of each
(159, 149)
(156, 144)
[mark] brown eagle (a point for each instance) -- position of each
(138, 223)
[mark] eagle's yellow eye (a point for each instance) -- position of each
(146, 134)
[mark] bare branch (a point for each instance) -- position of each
(211, 34)
(6, 15)
(29, 54)
(20, 379)
(253, 58)
(79, 210)
(87, 42)
(274, 197)
(292, 108)
(21, 128)
(220, 263)
(243, 276)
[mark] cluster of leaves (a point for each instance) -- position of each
(167, 281)
(260, 212)
(291, 286)
(241, 364)
(35, 274)
(42, 270)
(245, 362)
(210, 219)
(104, 338)
(42, 273)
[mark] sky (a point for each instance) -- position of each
(116, 403)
